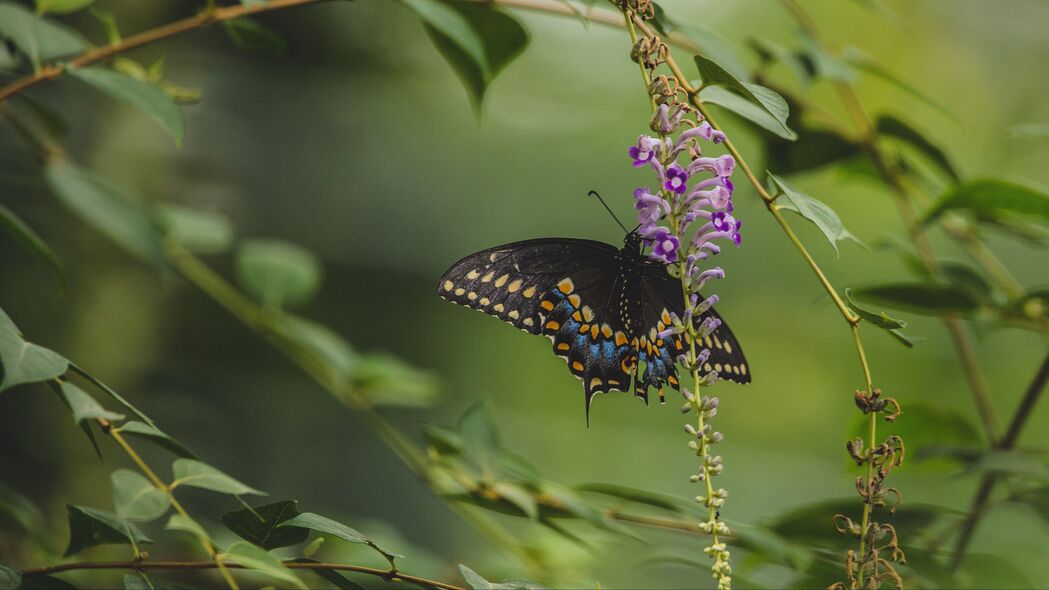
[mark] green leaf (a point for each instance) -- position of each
(814, 210)
(925, 426)
(259, 560)
(61, 6)
(333, 577)
(388, 381)
(248, 34)
(39, 38)
(327, 526)
(770, 51)
(761, 115)
(476, 582)
(774, 547)
(136, 582)
(156, 436)
(197, 474)
(767, 100)
(108, 391)
(989, 199)
(573, 504)
(518, 496)
(22, 511)
(933, 299)
(197, 230)
(480, 439)
(453, 24)
(968, 278)
(83, 406)
(143, 96)
(277, 273)
(136, 498)
(891, 126)
(1014, 463)
(336, 355)
(13, 226)
(261, 525)
(813, 149)
(880, 319)
(119, 217)
(502, 39)
(25, 362)
(89, 527)
(644, 497)
(10, 579)
(178, 522)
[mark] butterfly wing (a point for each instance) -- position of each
(566, 289)
(661, 295)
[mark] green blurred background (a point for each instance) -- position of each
(358, 143)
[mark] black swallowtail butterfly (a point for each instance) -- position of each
(602, 308)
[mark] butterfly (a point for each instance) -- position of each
(602, 307)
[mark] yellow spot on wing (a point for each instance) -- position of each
(575, 300)
(513, 314)
(498, 307)
(485, 301)
(488, 277)
(528, 322)
(593, 331)
(743, 369)
(595, 382)
(717, 367)
(514, 285)
(528, 292)
(665, 317)
(448, 286)
(588, 314)
(460, 291)
(473, 274)
(471, 295)
(620, 339)
(672, 379)
(501, 280)
(606, 330)
(728, 347)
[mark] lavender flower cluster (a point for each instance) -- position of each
(692, 207)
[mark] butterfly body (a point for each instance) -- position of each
(602, 307)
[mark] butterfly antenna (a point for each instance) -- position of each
(607, 208)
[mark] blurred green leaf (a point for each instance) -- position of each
(966, 277)
(9, 579)
(21, 510)
(254, 558)
(444, 18)
(136, 582)
(197, 230)
(39, 38)
(89, 527)
(773, 547)
(765, 99)
(108, 22)
(388, 381)
(813, 148)
(480, 439)
(156, 436)
(85, 425)
(277, 273)
(324, 525)
(197, 474)
(1029, 131)
(83, 406)
(712, 43)
(145, 97)
(261, 525)
(502, 38)
(136, 498)
(25, 362)
(109, 391)
(868, 65)
(1014, 463)
(770, 51)
(337, 356)
(760, 115)
(333, 577)
(13, 226)
(119, 217)
(890, 126)
(637, 496)
(518, 496)
(575, 505)
(925, 426)
(933, 299)
(247, 33)
(445, 440)
(988, 199)
(476, 582)
(823, 64)
(808, 524)
(61, 6)
(178, 522)
(816, 211)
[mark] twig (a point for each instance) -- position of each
(389, 575)
(1012, 435)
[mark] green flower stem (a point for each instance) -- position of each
(114, 433)
(872, 441)
(389, 575)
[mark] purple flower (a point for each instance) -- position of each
(665, 245)
(676, 179)
(723, 221)
(649, 207)
(709, 133)
(644, 151)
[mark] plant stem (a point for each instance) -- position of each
(389, 575)
(983, 494)
(114, 433)
(872, 441)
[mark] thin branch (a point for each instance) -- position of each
(207, 17)
(1012, 435)
(389, 575)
